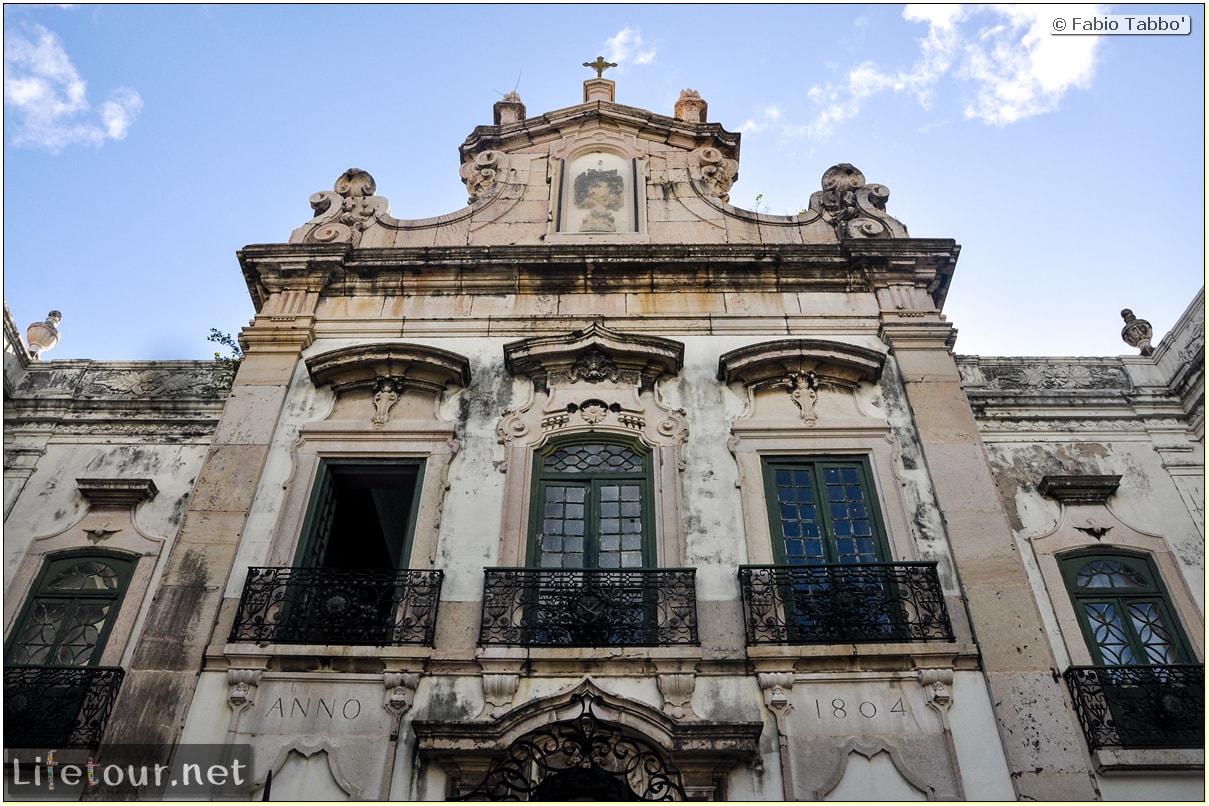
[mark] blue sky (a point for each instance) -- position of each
(144, 145)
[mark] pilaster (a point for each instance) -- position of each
(1043, 744)
(285, 282)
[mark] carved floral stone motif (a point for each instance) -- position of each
(241, 687)
(677, 691)
(481, 173)
(1034, 376)
(594, 367)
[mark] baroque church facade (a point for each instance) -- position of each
(604, 488)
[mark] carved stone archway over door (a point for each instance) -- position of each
(584, 743)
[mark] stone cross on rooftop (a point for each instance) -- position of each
(600, 65)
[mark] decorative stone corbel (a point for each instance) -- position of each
(937, 685)
(777, 688)
(400, 692)
(677, 690)
(498, 690)
(242, 685)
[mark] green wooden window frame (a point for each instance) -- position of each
(592, 505)
(1123, 609)
(823, 510)
(72, 608)
(373, 485)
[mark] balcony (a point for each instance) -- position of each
(58, 706)
(348, 607)
(589, 607)
(1134, 707)
(843, 604)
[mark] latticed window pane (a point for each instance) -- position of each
(67, 620)
(822, 513)
(620, 526)
(86, 575)
(799, 516)
(561, 541)
(1124, 611)
(1153, 633)
(594, 458)
(1109, 574)
(1109, 633)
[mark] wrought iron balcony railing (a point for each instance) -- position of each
(1140, 706)
(58, 706)
(843, 604)
(589, 607)
(350, 607)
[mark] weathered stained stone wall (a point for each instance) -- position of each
(124, 421)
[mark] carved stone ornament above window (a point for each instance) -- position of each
(1079, 489)
(593, 355)
(382, 381)
(799, 370)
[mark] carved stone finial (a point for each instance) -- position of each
(1137, 332)
(690, 107)
(355, 182)
(600, 65)
(509, 109)
(43, 335)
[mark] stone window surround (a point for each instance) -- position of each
(361, 427)
(562, 376)
(838, 371)
(112, 503)
(1080, 519)
(1084, 514)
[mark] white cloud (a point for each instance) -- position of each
(1023, 70)
(47, 99)
(1018, 69)
(768, 116)
(627, 48)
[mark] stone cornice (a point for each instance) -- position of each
(645, 124)
(416, 365)
(851, 266)
(836, 363)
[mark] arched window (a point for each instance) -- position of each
(71, 610)
(592, 506)
(1123, 610)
